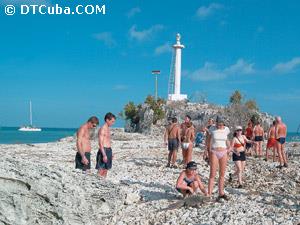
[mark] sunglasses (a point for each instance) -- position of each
(239, 130)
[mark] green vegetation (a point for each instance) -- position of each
(157, 107)
(131, 111)
(237, 99)
(251, 105)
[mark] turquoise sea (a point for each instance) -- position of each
(11, 135)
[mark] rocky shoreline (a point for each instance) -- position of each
(39, 185)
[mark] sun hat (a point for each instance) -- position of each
(191, 165)
(238, 128)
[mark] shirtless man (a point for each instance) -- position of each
(104, 155)
(83, 155)
(271, 141)
(258, 137)
(280, 135)
(183, 128)
(172, 140)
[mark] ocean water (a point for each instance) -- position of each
(11, 135)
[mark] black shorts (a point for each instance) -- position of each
(79, 164)
(248, 145)
(173, 144)
(281, 140)
(99, 160)
(242, 157)
(258, 138)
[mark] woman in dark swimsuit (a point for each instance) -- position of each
(238, 145)
(189, 181)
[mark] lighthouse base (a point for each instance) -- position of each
(177, 97)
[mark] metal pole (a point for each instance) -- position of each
(156, 73)
(156, 87)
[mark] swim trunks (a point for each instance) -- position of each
(281, 140)
(258, 138)
(242, 157)
(248, 145)
(271, 143)
(100, 164)
(79, 164)
(173, 144)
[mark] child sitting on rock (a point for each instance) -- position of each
(189, 181)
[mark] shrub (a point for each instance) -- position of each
(236, 98)
(251, 105)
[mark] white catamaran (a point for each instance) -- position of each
(30, 127)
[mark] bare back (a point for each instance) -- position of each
(190, 134)
(173, 131)
(258, 131)
(104, 137)
(281, 130)
(83, 139)
(272, 132)
(183, 128)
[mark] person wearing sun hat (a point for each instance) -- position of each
(189, 181)
(238, 145)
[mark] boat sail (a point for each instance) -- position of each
(30, 127)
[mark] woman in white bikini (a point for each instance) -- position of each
(219, 147)
(188, 142)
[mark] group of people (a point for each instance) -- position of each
(218, 148)
(276, 138)
(217, 151)
(104, 154)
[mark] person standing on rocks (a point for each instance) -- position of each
(271, 142)
(280, 135)
(189, 182)
(104, 155)
(83, 143)
(258, 136)
(172, 140)
(249, 135)
(219, 148)
(210, 123)
(239, 157)
(188, 143)
(183, 128)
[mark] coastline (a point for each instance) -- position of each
(138, 188)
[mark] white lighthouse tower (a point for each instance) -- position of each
(175, 74)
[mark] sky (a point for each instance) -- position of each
(76, 66)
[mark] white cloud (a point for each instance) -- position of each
(287, 67)
(132, 12)
(210, 71)
(205, 11)
(106, 38)
(207, 72)
(120, 87)
(165, 48)
(240, 67)
(144, 34)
